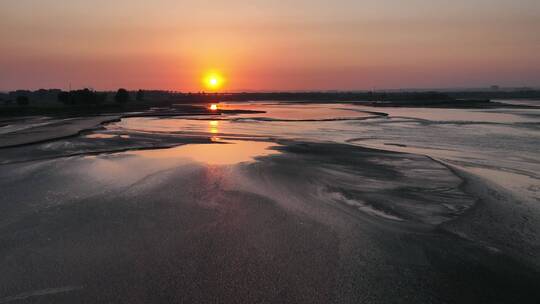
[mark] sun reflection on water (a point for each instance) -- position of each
(227, 152)
(213, 124)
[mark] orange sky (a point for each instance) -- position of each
(269, 45)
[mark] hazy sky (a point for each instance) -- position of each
(269, 45)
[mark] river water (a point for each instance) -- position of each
(501, 145)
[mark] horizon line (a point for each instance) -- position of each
(493, 88)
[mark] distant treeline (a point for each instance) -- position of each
(88, 97)
(84, 97)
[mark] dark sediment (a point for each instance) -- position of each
(319, 223)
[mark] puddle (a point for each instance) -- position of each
(228, 152)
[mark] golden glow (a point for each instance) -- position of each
(226, 153)
(213, 81)
(214, 124)
(213, 107)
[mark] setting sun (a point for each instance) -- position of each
(213, 107)
(213, 81)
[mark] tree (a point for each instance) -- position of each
(84, 97)
(87, 97)
(64, 97)
(122, 96)
(140, 95)
(100, 98)
(22, 100)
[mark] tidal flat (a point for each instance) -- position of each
(273, 203)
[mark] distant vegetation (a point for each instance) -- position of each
(140, 95)
(87, 101)
(82, 97)
(23, 100)
(122, 96)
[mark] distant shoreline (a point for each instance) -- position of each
(45, 102)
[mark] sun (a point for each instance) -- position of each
(213, 81)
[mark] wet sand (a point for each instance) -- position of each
(50, 129)
(96, 219)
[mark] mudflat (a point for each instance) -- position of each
(251, 209)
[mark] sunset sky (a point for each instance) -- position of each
(269, 45)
